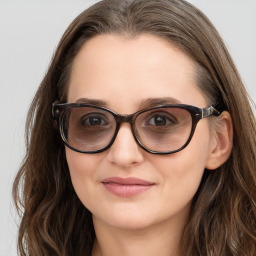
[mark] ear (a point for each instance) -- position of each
(221, 142)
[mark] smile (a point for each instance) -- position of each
(126, 187)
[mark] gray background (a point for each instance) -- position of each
(29, 33)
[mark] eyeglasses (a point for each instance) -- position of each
(164, 129)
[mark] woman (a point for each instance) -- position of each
(140, 140)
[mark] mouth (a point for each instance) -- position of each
(126, 187)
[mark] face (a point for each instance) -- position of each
(125, 186)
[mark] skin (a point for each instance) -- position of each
(124, 73)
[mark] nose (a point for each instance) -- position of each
(125, 152)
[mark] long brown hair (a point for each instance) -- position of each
(223, 214)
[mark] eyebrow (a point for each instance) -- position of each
(95, 102)
(146, 103)
(152, 102)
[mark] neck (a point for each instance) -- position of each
(162, 239)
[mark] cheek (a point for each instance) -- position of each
(82, 171)
(77, 163)
(181, 178)
(182, 172)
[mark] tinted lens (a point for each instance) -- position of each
(164, 129)
(88, 129)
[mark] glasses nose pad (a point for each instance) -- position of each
(120, 119)
(125, 150)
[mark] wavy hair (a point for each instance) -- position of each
(223, 214)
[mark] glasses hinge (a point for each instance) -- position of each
(209, 111)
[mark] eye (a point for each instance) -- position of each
(161, 119)
(94, 119)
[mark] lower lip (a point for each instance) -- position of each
(123, 190)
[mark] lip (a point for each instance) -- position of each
(127, 187)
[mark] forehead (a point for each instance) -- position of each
(123, 72)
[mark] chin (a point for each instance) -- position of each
(130, 223)
(128, 219)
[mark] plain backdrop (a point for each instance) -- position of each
(29, 33)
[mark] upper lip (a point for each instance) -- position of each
(128, 181)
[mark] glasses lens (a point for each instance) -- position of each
(163, 129)
(88, 129)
